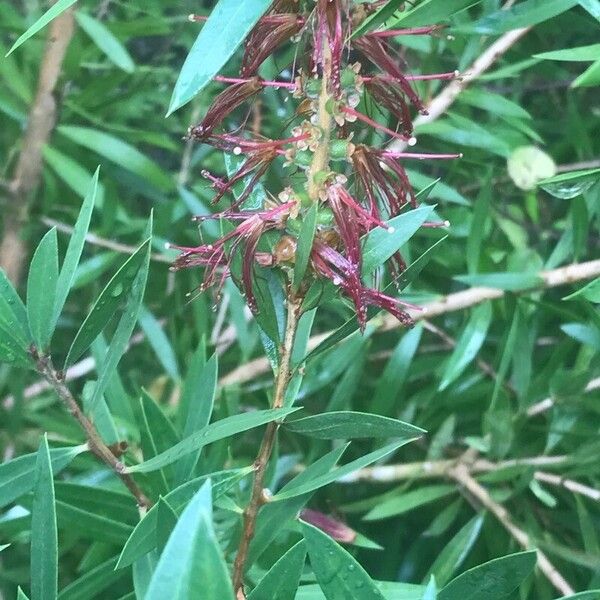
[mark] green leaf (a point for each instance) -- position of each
(590, 292)
(56, 9)
(13, 314)
(202, 388)
(570, 185)
(17, 476)
(494, 580)
(523, 14)
(347, 424)
(468, 345)
(407, 501)
(192, 559)
(159, 341)
(592, 6)
(119, 152)
(93, 582)
(380, 244)
(305, 243)
(431, 11)
(44, 534)
(166, 520)
(256, 199)
(75, 248)
(590, 77)
(157, 436)
(212, 433)
(21, 595)
(228, 25)
(324, 479)
(41, 290)
(144, 537)
(379, 17)
(107, 303)
(591, 595)
(390, 591)
(340, 576)
(493, 103)
(431, 591)
(455, 552)
(106, 41)
(581, 53)
(282, 579)
(391, 381)
(511, 282)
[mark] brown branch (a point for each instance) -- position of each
(28, 172)
(544, 405)
(257, 497)
(452, 302)
(462, 476)
(568, 484)
(101, 242)
(434, 469)
(95, 443)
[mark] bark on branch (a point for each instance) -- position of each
(28, 171)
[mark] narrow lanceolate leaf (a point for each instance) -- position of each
(127, 322)
(214, 432)
(109, 300)
(494, 580)
(380, 244)
(228, 25)
(592, 6)
(348, 424)
(511, 282)
(159, 341)
(41, 290)
(44, 534)
(590, 292)
(430, 12)
(192, 559)
(56, 9)
(407, 501)
(17, 476)
(282, 579)
(13, 314)
(523, 14)
(21, 595)
(75, 248)
(144, 537)
(106, 41)
(324, 479)
(201, 402)
(468, 345)
(431, 591)
(340, 576)
(93, 582)
(579, 54)
(119, 152)
(454, 554)
(305, 242)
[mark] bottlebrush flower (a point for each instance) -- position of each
(326, 124)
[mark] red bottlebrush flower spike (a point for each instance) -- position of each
(320, 149)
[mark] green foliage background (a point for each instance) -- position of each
(468, 377)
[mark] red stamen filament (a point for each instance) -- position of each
(350, 111)
(265, 83)
(410, 31)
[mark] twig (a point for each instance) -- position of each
(462, 476)
(41, 121)
(440, 104)
(548, 403)
(95, 443)
(446, 304)
(257, 497)
(439, 468)
(569, 484)
(96, 240)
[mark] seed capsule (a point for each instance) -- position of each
(285, 249)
